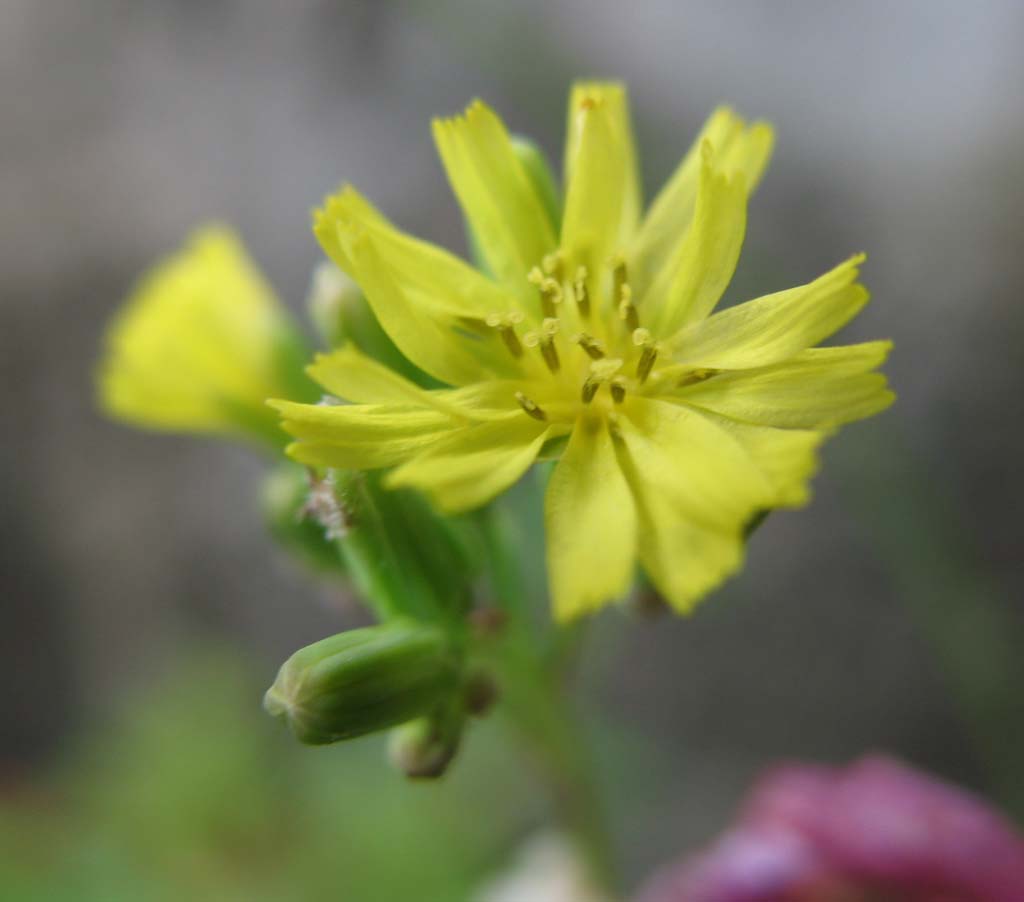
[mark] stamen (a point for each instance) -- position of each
(594, 347)
(627, 309)
(619, 277)
(553, 265)
(695, 377)
(590, 388)
(549, 329)
(601, 371)
(581, 293)
(531, 407)
(618, 387)
(642, 339)
(546, 341)
(505, 324)
(550, 291)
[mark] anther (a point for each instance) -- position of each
(550, 291)
(545, 340)
(695, 376)
(648, 354)
(590, 388)
(618, 387)
(531, 407)
(601, 371)
(553, 265)
(619, 277)
(594, 347)
(505, 324)
(627, 309)
(581, 293)
(549, 329)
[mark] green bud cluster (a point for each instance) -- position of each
(363, 681)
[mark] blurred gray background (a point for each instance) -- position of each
(885, 616)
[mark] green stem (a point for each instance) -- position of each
(536, 700)
(559, 746)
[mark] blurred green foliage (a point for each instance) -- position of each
(194, 794)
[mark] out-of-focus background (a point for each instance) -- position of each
(144, 608)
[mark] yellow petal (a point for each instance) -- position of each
(201, 344)
(785, 457)
(469, 467)
(360, 436)
(590, 523)
(497, 197)
(427, 340)
(687, 288)
(602, 200)
(740, 149)
(433, 278)
(350, 374)
(699, 468)
(773, 328)
(816, 389)
(684, 559)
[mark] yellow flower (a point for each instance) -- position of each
(201, 344)
(595, 342)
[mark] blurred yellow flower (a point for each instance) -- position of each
(594, 341)
(201, 344)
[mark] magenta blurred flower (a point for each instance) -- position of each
(876, 831)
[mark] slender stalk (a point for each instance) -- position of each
(532, 671)
(554, 736)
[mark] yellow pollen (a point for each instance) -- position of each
(531, 407)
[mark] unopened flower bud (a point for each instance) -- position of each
(341, 315)
(362, 681)
(332, 299)
(424, 748)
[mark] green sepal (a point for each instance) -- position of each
(405, 559)
(363, 681)
(542, 178)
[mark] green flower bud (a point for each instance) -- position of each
(362, 681)
(423, 748)
(404, 558)
(294, 520)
